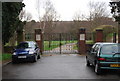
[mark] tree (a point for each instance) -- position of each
(116, 14)
(77, 18)
(108, 30)
(38, 8)
(97, 10)
(25, 16)
(10, 19)
(49, 16)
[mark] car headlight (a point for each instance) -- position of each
(14, 53)
(31, 52)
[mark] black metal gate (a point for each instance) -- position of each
(60, 43)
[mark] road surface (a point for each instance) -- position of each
(67, 66)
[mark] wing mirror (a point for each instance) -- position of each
(36, 47)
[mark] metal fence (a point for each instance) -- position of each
(30, 37)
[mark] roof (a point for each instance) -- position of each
(105, 43)
(28, 42)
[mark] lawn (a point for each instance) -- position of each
(89, 42)
(5, 56)
(49, 45)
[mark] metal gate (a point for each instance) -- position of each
(60, 43)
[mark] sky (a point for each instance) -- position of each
(65, 8)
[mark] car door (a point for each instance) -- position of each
(94, 53)
(90, 55)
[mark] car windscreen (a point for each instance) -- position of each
(110, 49)
(25, 45)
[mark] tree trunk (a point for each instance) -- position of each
(20, 36)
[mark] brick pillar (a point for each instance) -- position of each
(82, 39)
(99, 35)
(38, 39)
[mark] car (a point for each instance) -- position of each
(104, 56)
(26, 51)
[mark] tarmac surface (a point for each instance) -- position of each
(71, 66)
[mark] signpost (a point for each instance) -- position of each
(82, 36)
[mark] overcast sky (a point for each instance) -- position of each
(65, 8)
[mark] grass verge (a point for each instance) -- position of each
(5, 56)
(49, 45)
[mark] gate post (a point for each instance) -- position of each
(38, 39)
(82, 41)
(99, 35)
(114, 37)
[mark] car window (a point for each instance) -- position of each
(31, 45)
(22, 45)
(110, 49)
(26, 45)
(95, 48)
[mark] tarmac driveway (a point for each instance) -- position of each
(55, 67)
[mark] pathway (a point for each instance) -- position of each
(67, 48)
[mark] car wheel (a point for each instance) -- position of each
(87, 63)
(39, 56)
(97, 69)
(35, 58)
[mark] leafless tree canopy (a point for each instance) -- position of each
(50, 15)
(97, 13)
(25, 16)
(97, 9)
(78, 16)
(50, 12)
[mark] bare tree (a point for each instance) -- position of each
(49, 16)
(25, 16)
(38, 8)
(97, 10)
(77, 18)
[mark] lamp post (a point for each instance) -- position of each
(115, 4)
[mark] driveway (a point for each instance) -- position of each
(67, 66)
(67, 48)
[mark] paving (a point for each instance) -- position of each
(64, 66)
(67, 48)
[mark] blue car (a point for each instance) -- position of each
(26, 51)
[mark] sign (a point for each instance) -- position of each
(82, 36)
(38, 37)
